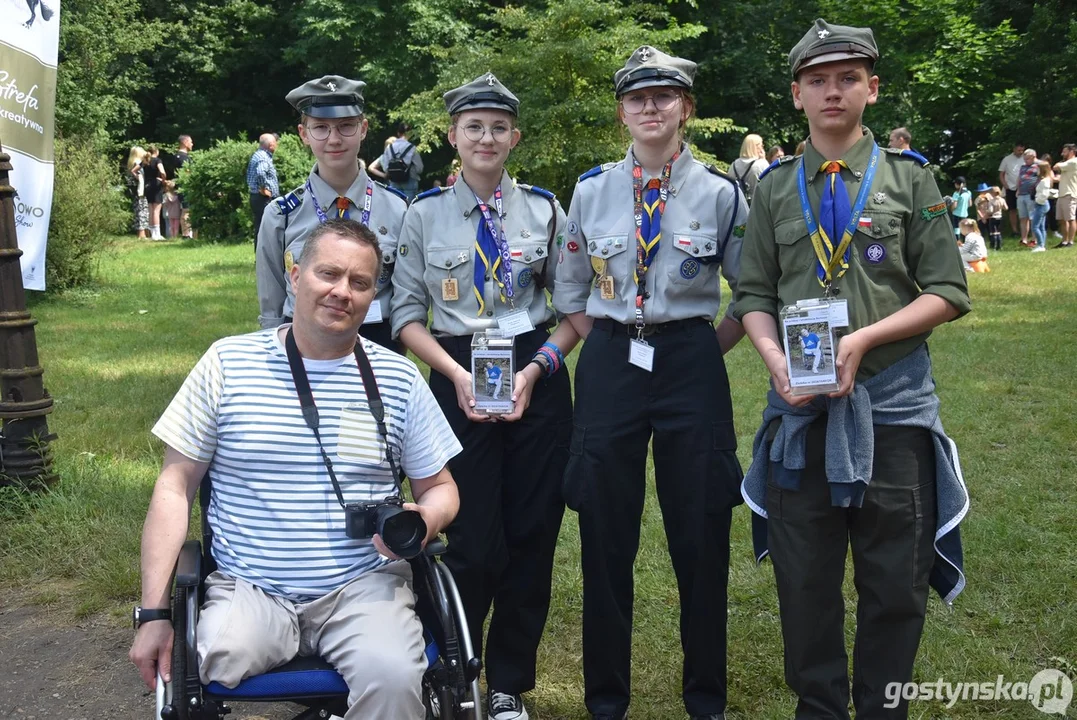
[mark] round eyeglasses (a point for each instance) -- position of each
(322, 130)
(635, 104)
(476, 131)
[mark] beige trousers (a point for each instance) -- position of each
(367, 630)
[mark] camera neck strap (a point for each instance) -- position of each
(310, 410)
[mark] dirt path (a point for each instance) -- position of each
(52, 668)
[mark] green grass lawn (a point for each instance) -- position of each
(115, 354)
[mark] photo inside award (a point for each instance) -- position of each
(809, 349)
(492, 372)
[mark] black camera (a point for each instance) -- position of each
(401, 530)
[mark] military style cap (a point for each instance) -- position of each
(648, 67)
(484, 92)
(828, 43)
(331, 96)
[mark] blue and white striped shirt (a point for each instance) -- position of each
(275, 518)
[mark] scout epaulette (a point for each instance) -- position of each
(910, 154)
(598, 170)
(430, 193)
(778, 162)
(714, 170)
(537, 190)
(288, 203)
(394, 191)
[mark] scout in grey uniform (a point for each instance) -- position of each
(483, 253)
(638, 274)
(333, 126)
(868, 466)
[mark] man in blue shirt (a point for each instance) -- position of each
(810, 342)
(262, 179)
(493, 378)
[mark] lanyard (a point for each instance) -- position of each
(819, 239)
(642, 261)
(310, 410)
(323, 218)
(498, 234)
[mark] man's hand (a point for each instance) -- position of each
(465, 397)
(779, 375)
(523, 386)
(152, 650)
(265, 191)
(851, 351)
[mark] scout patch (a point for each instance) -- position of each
(875, 253)
(689, 269)
(573, 246)
(573, 228)
(525, 277)
(289, 260)
(561, 240)
(403, 251)
(933, 211)
(739, 230)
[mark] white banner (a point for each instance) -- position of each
(29, 37)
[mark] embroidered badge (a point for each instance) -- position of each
(933, 211)
(561, 240)
(875, 253)
(525, 277)
(560, 256)
(573, 246)
(689, 268)
(739, 230)
(823, 33)
(573, 228)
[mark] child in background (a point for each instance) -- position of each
(172, 210)
(1039, 209)
(973, 250)
(983, 204)
(994, 220)
(959, 203)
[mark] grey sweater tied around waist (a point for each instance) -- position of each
(903, 395)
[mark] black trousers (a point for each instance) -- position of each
(684, 405)
(892, 537)
(501, 544)
(258, 209)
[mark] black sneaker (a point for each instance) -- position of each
(503, 706)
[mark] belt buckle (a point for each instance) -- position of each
(649, 330)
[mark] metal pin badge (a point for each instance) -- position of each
(694, 224)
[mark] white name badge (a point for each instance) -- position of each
(839, 313)
(641, 354)
(515, 323)
(373, 315)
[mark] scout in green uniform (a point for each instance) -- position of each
(478, 254)
(869, 464)
(333, 126)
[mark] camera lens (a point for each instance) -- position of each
(401, 530)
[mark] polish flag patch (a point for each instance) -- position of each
(519, 253)
(864, 222)
(684, 241)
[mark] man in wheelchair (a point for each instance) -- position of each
(285, 424)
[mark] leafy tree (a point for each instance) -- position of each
(559, 60)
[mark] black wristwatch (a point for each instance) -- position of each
(142, 615)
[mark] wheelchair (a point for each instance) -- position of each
(450, 686)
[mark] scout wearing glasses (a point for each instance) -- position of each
(868, 464)
(646, 239)
(479, 253)
(333, 126)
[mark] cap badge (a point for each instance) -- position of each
(644, 54)
(823, 33)
(332, 86)
(490, 79)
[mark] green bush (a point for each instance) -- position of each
(215, 184)
(87, 209)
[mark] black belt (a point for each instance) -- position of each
(610, 326)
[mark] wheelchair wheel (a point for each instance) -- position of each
(178, 707)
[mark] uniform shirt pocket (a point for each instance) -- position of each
(694, 251)
(358, 439)
(879, 243)
(528, 260)
(445, 262)
(609, 255)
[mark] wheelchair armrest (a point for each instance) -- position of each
(435, 547)
(189, 565)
